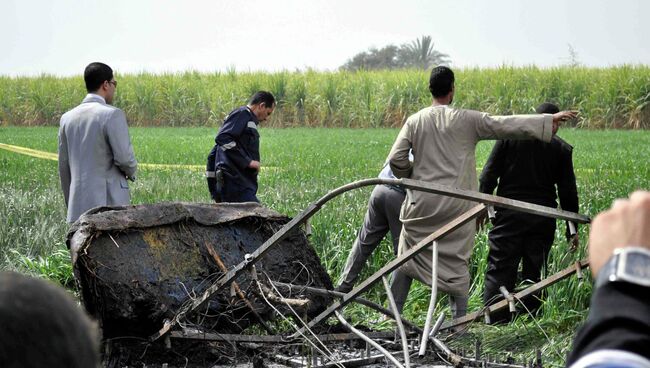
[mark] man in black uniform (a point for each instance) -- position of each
(234, 162)
(526, 170)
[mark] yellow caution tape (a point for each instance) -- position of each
(30, 152)
(54, 157)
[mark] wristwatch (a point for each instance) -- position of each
(629, 264)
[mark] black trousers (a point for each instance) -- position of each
(516, 237)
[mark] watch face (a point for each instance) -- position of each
(634, 267)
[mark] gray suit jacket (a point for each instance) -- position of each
(95, 157)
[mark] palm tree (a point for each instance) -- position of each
(421, 54)
(417, 54)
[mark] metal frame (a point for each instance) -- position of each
(396, 263)
(303, 217)
(553, 279)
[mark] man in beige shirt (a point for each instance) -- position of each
(443, 142)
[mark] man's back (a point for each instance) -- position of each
(84, 126)
(530, 170)
(443, 141)
(95, 157)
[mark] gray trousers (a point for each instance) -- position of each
(401, 283)
(382, 216)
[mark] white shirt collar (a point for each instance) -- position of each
(97, 96)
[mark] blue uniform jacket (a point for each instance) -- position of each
(237, 144)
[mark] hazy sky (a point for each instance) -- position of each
(62, 36)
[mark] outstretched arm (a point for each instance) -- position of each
(539, 126)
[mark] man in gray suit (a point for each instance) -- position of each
(95, 153)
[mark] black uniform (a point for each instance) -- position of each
(526, 170)
(237, 144)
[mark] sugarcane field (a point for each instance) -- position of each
(324, 184)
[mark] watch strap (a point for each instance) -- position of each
(608, 269)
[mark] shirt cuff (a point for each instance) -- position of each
(547, 128)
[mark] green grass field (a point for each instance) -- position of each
(302, 164)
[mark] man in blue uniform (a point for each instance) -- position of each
(526, 170)
(234, 162)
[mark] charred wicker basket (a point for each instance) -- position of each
(137, 265)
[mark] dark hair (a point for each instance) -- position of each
(96, 74)
(262, 97)
(42, 326)
(441, 81)
(547, 108)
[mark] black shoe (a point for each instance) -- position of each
(343, 289)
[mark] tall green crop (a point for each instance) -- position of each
(614, 97)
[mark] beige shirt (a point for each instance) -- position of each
(443, 142)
